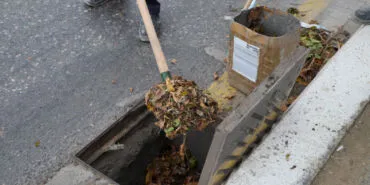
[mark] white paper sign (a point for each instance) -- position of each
(246, 59)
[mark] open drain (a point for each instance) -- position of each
(139, 141)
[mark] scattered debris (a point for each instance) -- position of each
(323, 45)
(229, 97)
(115, 147)
(114, 81)
(340, 148)
(37, 143)
(293, 167)
(171, 169)
(228, 18)
(287, 157)
(131, 90)
(293, 11)
(233, 9)
(173, 61)
(228, 109)
(313, 22)
(215, 76)
(290, 100)
(182, 108)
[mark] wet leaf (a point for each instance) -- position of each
(229, 97)
(215, 76)
(227, 109)
(37, 143)
(184, 93)
(169, 130)
(173, 61)
(313, 22)
(176, 123)
(293, 11)
(193, 162)
(287, 156)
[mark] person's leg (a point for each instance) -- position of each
(94, 3)
(154, 9)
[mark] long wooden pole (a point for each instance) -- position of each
(154, 41)
(247, 4)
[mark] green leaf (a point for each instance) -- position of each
(176, 123)
(192, 162)
(169, 130)
(315, 41)
(184, 93)
(317, 56)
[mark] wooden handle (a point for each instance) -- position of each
(247, 4)
(156, 46)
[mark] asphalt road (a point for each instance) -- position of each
(58, 60)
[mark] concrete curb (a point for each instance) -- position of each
(304, 139)
(77, 175)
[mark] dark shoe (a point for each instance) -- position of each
(363, 15)
(94, 3)
(142, 31)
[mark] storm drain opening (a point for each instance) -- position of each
(124, 151)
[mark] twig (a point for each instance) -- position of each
(183, 147)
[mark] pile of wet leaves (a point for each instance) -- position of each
(172, 169)
(180, 107)
(323, 45)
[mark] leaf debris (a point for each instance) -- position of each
(323, 45)
(182, 108)
(173, 61)
(170, 169)
(215, 76)
(37, 143)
